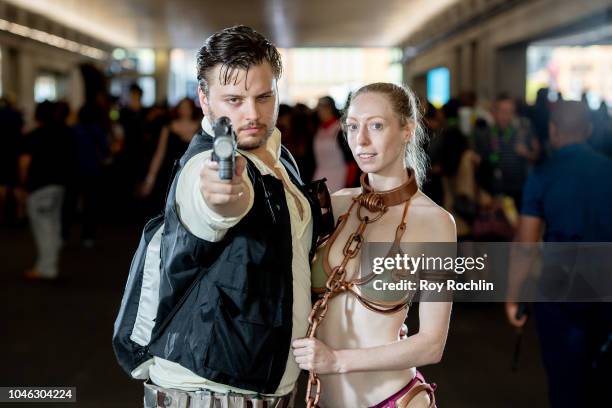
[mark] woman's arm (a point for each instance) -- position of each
(156, 162)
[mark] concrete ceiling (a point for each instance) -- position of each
(289, 23)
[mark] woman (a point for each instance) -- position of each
(173, 142)
(356, 354)
(332, 158)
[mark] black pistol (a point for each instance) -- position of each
(224, 148)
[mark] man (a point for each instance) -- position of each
(46, 162)
(567, 199)
(235, 254)
(507, 149)
(132, 161)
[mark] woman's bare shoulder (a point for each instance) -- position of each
(342, 199)
(440, 224)
(347, 192)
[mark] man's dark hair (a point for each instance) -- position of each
(238, 47)
(44, 112)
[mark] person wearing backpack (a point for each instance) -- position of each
(220, 284)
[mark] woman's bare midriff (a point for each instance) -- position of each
(345, 327)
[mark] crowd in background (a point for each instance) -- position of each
(481, 157)
(113, 161)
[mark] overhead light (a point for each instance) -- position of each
(52, 39)
(409, 53)
(119, 53)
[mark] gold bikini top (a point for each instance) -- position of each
(364, 288)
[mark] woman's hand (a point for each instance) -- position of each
(314, 355)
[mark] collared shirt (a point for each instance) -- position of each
(201, 221)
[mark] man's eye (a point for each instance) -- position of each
(233, 101)
(264, 97)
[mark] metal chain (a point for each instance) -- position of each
(335, 284)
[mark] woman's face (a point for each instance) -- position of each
(375, 136)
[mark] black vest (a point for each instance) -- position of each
(225, 308)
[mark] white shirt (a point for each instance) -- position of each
(201, 221)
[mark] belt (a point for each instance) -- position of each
(155, 396)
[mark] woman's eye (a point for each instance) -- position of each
(376, 126)
(352, 127)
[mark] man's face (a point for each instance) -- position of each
(250, 101)
(135, 98)
(504, 113)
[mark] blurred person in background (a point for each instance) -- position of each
(293, 123)
(601, 139)
(540, 116)
(331, 152)
(507, 149)
(566, 200)
(10, 135)
(132, 161)
(466, 113)
(284, 123)
(93, 153)
(62, 119)
(45, 165)
(304, 127)
(434, 123)
(171, 145)
(457, 164)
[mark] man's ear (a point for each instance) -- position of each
(203, 101)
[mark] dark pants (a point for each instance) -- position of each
(87, 190)
(572, 336)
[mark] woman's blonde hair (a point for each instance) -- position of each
(405, 105)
